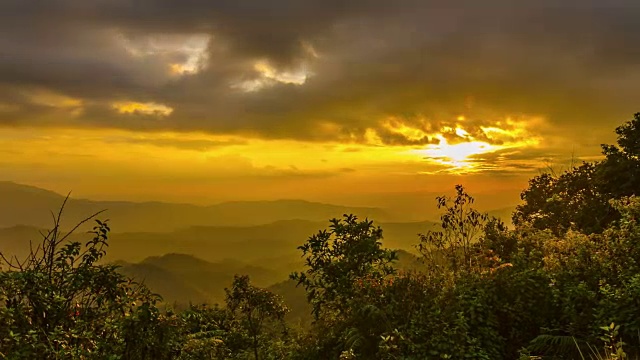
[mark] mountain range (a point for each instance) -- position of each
(28, 205)
(182, 279)
(190, 253)
(185, 278)
(276, 242)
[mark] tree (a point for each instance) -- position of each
(621, 168)
(253, 307)
(336, 259)
(573, 200)
(579, 198)
(343, 265)
(461, 226)
(205, 330)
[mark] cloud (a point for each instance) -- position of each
(242, 167)
(179, 143)
(323, 70)
(133, 108)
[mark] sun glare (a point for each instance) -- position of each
(457, 155)
(463, 156)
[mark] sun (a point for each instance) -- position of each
(459, 155)
(460, 152)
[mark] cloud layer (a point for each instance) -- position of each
(321, 70)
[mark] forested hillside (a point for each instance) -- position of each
(562, 283)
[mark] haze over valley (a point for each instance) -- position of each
(191, 252)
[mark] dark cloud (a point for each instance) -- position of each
(573, 62)
(391, 138)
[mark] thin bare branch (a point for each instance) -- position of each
(81, 223)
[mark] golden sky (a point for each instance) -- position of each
(363, 102)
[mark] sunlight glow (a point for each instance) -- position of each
(149, 108)
(464, 156)
(298, 77)
(190, 163)
(192, 48)
(462, 133)
(52, 99)
(195, 49)
(71, 106)
(410, 133)
(268, 76)
(457, 155)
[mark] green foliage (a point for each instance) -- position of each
(461, 226)
(60, 303)
(573, 200)
(336, 259)
(613, 346)
(620, 173)
(252, 307)
(579, 198)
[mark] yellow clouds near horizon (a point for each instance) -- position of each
(200, 167)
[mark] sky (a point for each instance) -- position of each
(363, 102)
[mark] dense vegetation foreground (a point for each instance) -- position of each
(563, 284)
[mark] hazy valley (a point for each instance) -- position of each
(191, 253)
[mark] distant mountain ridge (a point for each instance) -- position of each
(185, 278)
(278, 240)
(251, 231)
(29, 205)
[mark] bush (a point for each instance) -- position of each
(60, 302)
